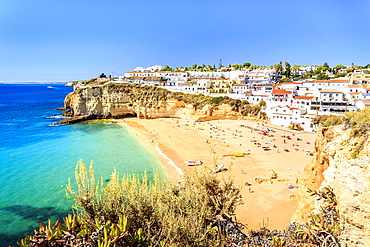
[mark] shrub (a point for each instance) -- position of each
(174, 215)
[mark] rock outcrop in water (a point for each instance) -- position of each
(124, 100)
(341, 162)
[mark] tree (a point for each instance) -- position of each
(236, 66)
(246, 65)
(167, 68)
(262, 103)
(322, 76)
(326, 65)
(102, 75)
(338, 67)
(279, 67)
(287, 69)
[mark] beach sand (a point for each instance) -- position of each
(268, 204)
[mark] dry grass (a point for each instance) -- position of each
(174, 215)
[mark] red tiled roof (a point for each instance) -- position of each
(139, 72)
(328, 81)
(303, 97)
(280, 91)
(292, 82)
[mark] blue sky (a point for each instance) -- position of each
(49, 40)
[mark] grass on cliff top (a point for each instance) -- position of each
(358, 121)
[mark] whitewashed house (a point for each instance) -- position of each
(239, 88)
(362, 104)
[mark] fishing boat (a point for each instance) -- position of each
(193, 162)
(239, 155)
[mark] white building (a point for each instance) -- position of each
(149, 69)
(198, 86)
(315, 85)
(285, 115)
(362, 104)
(239, 88)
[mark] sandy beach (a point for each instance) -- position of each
(268, 202)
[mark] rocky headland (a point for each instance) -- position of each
(132, 100)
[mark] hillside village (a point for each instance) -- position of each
(315, 90)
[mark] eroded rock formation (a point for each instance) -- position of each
(122, 100)
(341, 162)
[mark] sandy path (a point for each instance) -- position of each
(269, 203)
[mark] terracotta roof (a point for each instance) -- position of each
(366, 102)
(329, 80)
(303, 97)
(354, 86)
(330, 90)
(280, 91)
(292, 82)
(140, 72)
(172, 72)
(354, 93)
(249, 92)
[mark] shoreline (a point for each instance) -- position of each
(268, 202)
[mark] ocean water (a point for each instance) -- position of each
(36, 160)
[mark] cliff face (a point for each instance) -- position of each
(143, 102)
(342, 162)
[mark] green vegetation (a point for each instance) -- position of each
(217, 100)
(111, 85)
(358, 121)
(88, 82)
(322, 228)
(132, 211)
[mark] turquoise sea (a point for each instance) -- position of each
(36, 160)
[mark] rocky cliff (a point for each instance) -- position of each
(122, 100)
(341, 162)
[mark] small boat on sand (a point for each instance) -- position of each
(220, 168)
(236, 154)
(193, 163)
